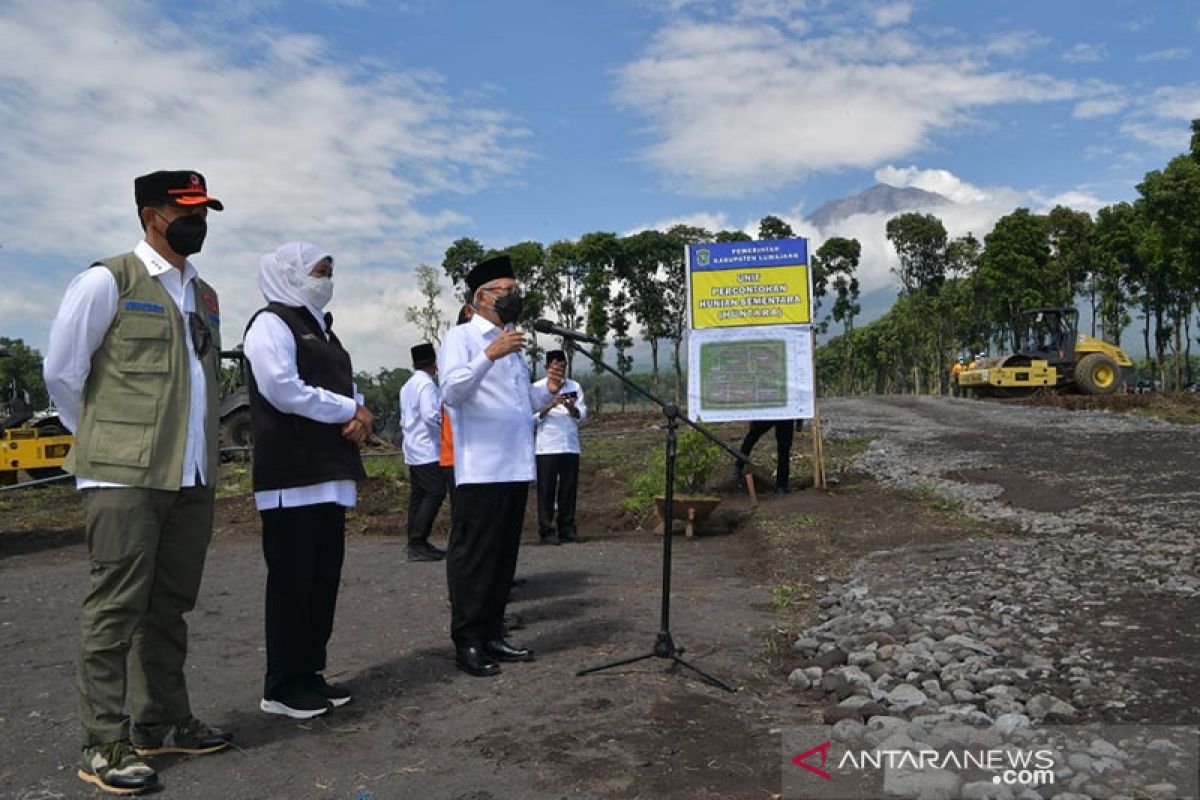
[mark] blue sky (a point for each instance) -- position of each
(385, 130)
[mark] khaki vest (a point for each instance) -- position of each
(133, 424)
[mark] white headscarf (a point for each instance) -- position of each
(282, 273)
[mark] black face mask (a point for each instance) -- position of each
(508, 307)
(186, 235)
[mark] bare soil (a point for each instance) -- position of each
(417, 728)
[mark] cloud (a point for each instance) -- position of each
(299, 144)
(1086, 54)
(1170, 54)
(734, 108)
(891, 14)
(1099, 107)
(974, 209)
(939, 181)
(1015, 43)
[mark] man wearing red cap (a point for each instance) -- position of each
(132, 367)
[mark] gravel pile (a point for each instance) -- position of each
(972, 644)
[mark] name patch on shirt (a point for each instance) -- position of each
(137, 305)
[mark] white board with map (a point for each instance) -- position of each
(750, 373)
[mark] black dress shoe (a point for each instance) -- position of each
(569, 537)
(424, 551)
(475, 662)
(549, 540)
(503, 651)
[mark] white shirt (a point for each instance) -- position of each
(490, 405)
(270, 348)
(87, 312)
(558, 431)
(421, 419)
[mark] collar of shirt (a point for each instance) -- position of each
(485, 327)
(156, 265)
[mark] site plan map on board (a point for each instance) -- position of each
(744, 375)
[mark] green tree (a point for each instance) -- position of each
(839, 258)
(22, 368)
(675, 296)
(920, 242)
(427, 316)
(457, 262)
(647, 260)
(1172, 202)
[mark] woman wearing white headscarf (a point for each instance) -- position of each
(308, 421)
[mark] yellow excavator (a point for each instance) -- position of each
(36, 443)
(1049, 353)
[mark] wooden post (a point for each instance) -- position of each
(818, 450)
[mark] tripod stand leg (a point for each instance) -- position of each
(622, 662)
(720, 684)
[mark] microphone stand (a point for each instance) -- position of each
(664, 643)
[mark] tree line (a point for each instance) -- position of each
(604, 284)
(960, 296)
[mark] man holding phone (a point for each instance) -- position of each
(558, 451)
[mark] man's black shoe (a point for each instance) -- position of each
(569, 537)
(549, 540)
(424, 551)
(473, 661)
(513, 622)
(503, 651)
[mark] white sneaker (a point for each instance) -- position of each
(297, 705)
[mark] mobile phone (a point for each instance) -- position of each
(569, 395)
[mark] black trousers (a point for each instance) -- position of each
(784, 432)
(448, 475)
(481, 558)
(557, 481)
(304, 548)
(427, 488)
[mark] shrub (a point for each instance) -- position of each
(695, 459)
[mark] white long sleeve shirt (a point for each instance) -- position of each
(87, 312)
(270, 349)
(421, 419)
(490, 405)
(558, 431)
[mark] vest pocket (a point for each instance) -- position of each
(144, 343)
(123, 433)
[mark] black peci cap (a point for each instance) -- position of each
(488, 271)
(423, 355)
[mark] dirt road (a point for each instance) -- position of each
(1109, 504)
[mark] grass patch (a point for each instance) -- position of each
(390, 468)
(786, 597)
(235, 479)
(52, 507)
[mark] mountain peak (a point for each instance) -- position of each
(879, 199)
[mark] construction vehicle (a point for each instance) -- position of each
(1049, 353)
(233, 406)
(33, 442)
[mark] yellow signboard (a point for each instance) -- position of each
(776, 295)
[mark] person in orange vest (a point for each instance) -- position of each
(955, 371)
(446, 453)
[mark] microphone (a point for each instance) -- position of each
(546, 326)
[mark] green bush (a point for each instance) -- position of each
(695, 459)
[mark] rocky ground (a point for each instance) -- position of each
(1094, 617)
